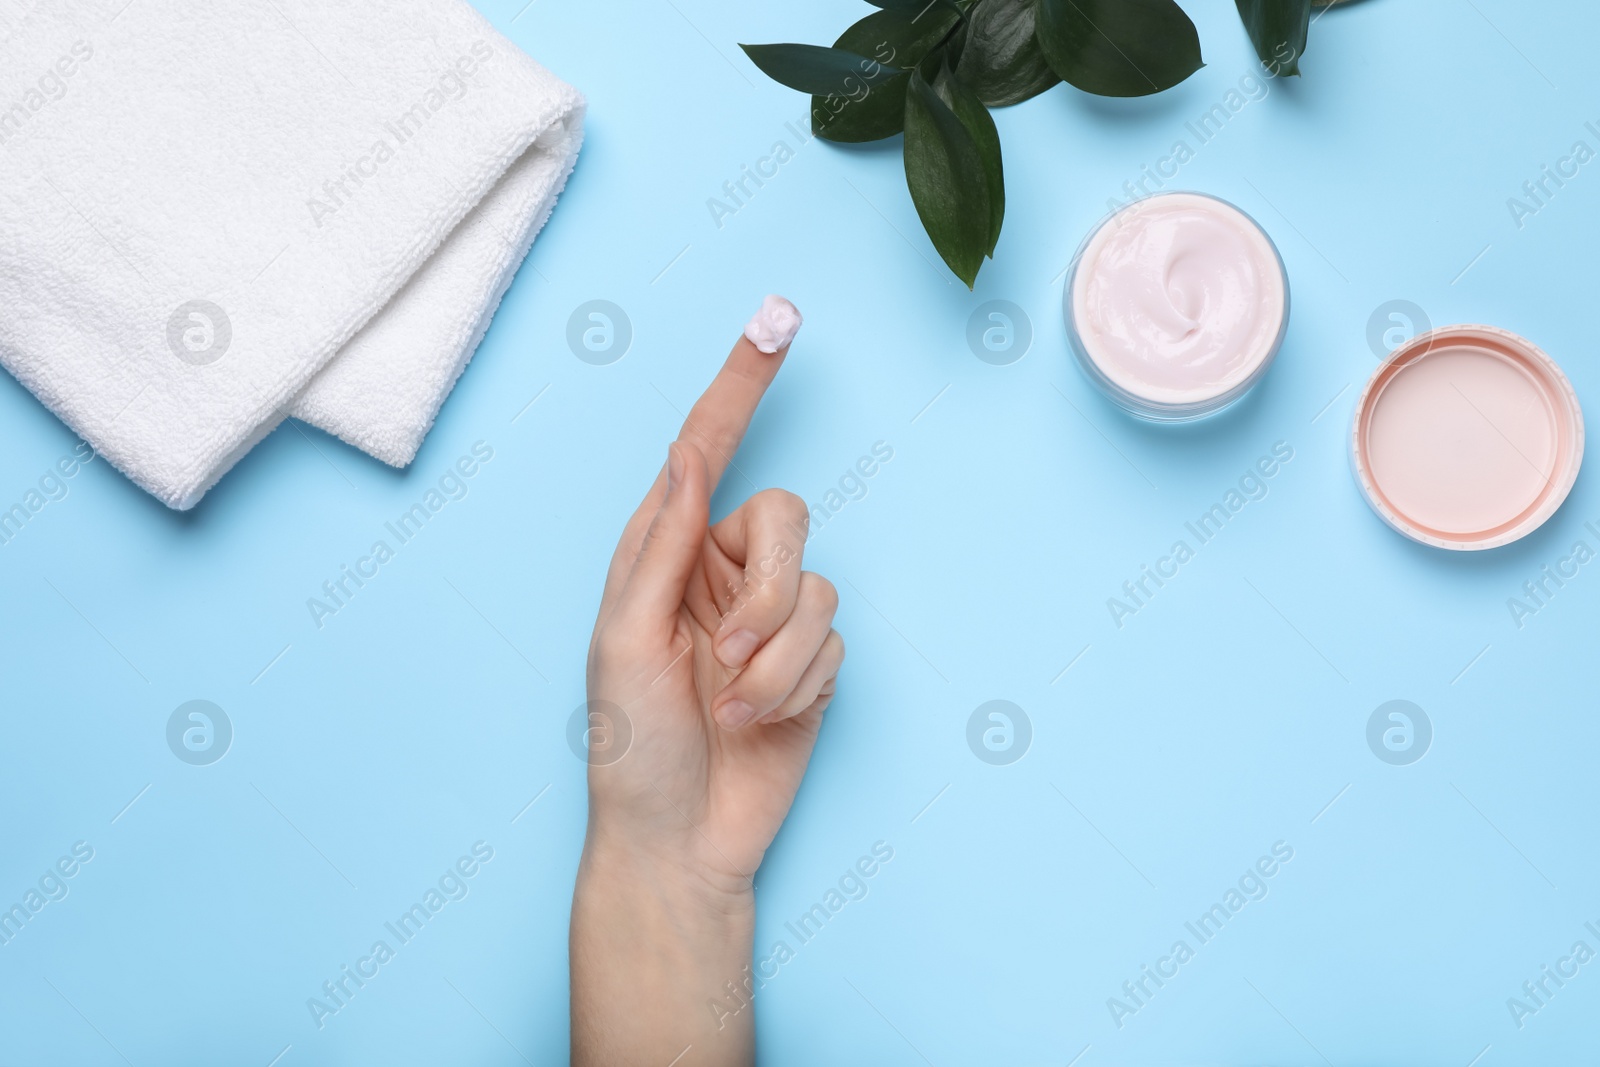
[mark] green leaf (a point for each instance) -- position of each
(1278, 30)
(1118, 47)
(872, 111)
(948, 181)
(813, 69)
(873, 116)
(912, 7)
(897, 38)
(956, 42)
(975, 117)
(1002, 60)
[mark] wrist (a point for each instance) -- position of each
(667, 941)
(674, 871)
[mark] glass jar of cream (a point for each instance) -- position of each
(1176, 305)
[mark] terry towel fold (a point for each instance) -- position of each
(214, 215)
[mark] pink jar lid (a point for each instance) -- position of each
(1467, 437)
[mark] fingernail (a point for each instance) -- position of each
(737, 647)
(734, 714)
(773, 326)
(674, 468)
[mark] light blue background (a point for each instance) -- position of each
(1226, 716)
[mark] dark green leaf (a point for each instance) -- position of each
(1119, 47)
(1278, 30)
(813, 69)
(872, 116)
(870, 111)
(912, 7)
(896, 39)
(1002, 60)
(949, 185)
(975, 117)
(956, 42)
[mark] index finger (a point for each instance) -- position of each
(717, 422)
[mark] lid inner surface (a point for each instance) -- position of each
(1464, 441)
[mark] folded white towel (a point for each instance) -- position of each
(216, 215)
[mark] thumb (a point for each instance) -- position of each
(672, 544)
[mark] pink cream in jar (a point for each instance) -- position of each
(1176, 306)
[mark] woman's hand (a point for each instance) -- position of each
(712, 661)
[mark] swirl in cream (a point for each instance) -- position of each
(1179, 300)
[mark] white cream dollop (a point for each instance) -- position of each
(772, 328)
(1179, 298)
